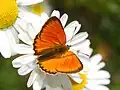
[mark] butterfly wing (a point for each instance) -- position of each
(67, 63)
(52, 33)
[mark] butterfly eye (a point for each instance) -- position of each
(68, 46)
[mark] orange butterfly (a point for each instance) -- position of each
(53, 55)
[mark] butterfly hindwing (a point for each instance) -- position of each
(52, 33)
(68, 63)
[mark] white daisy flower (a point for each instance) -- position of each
(93, 78)
(10, 13)
(27, 62)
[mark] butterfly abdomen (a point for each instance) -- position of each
(49, 53)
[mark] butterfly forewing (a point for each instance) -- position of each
(51, 34)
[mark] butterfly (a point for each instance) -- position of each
(53, 54)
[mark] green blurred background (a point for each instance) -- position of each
(101, 19)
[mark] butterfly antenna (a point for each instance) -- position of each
(82, 53)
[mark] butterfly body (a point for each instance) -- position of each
(53, 54)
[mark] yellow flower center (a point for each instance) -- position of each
(8, 13)
(37, 8)
(80, 86)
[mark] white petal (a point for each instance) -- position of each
(44, 17)
(11, 33)
(14, 34)
(22, 60)
(87, 51)
(55, 13)
(32, 78)
(71, 29)
(36, 86)
(101, 82)
(83, 52)
(31, 31)
(64, 19)
(21, 25)
(90, 86)
(38, 25)
(96, 59)
(35, 20)
(13, 39)
(25, 27)
(80, 54)
(98, 75)
(24, 37)
(94, 67)
(4, 46)
(101, 87)
(101, 65)
(23, 49)
(28, 2)
(24, 16)
(38, 83)
(24, 70)
(76, 77)
(78, 38)
(80, 45)
(96, 87)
